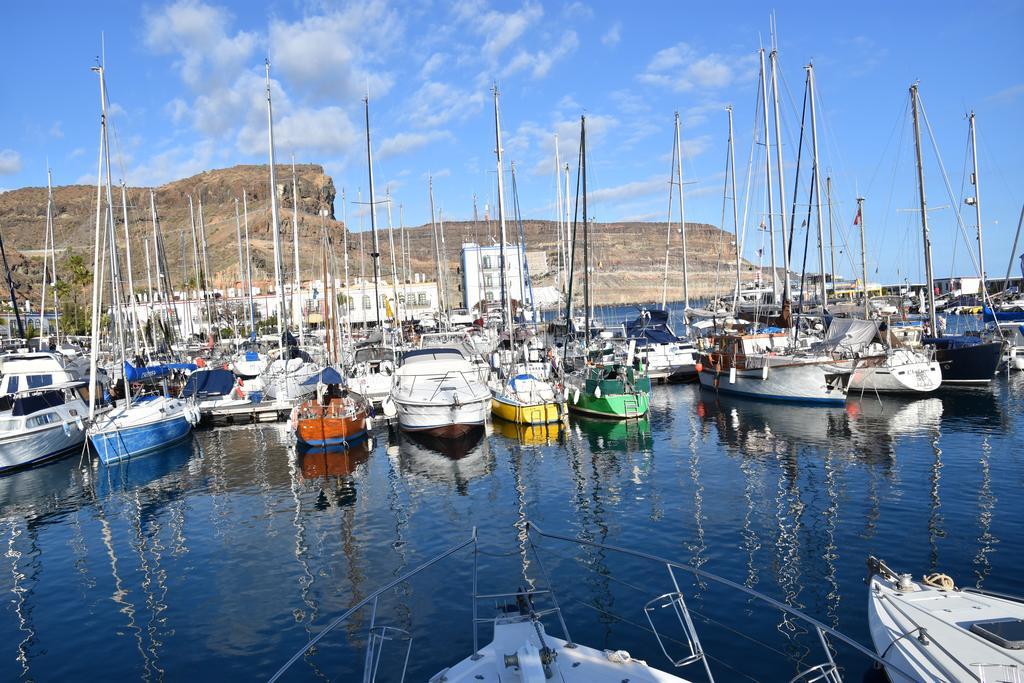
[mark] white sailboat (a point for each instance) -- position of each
(140, 424)
(284, 380)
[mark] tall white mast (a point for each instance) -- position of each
(682, 214)
(394, 266)
(375, 254)
(502, 260)
(863, 256)
(976, 201)
(248, 265)
(297, 305)
(48, 248)
(773, 57)
(929, 286)
(731, 164)
(238, 238)
(344, 248)
(149, 294)
(817, 185)
(768, 168)
(131, 281)
(275, 219)
(559, 261)
(97, 291)
(437, 250)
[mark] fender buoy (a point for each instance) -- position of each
(699, 367)
(200, 362)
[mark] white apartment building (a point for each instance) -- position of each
(481, 273)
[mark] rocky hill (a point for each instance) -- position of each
(628, 259)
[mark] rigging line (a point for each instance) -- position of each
(748, 179)
(949, 188)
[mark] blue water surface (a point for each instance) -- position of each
(219, 558)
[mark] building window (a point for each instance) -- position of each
(401, 299)
(422, 299)
(488, 281)
(487, 262)
(366, 303)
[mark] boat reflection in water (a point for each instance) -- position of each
(157, 470)
(320, 463)
(526, 434)
(451, 461)
(627, 436)
(759, 428)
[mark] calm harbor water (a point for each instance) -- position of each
(218, 559)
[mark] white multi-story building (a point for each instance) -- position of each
(481, 274)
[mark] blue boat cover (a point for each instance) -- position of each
(252, 355)
(651, 327)
(325, 376)
(134, 374)
(206, 383)
(1012, 316)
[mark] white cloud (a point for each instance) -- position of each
(437, 103)
(56, 130)
(539, 63)
(172, 164)
(613, 35)
(432, 64)
(500, 29)
(329, 54)
(323, 130)
(177, 109)
(404, 143)
(1008, 94)
(198, 33)
(682, 69)
(631, 190)
(10, 162)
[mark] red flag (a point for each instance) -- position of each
(856, 220)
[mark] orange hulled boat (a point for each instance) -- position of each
(334, 420)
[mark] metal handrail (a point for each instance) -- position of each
(822, 628)
(472, 540)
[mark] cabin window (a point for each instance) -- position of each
(36, 381)
(10, 425)
(40, 420)
(12, 384)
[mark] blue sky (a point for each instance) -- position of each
(187, 82)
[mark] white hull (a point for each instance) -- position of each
(440, 415)
(42, 443)
(806, 382)
(901, 373)
(374, 387)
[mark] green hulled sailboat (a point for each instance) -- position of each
(613, 390)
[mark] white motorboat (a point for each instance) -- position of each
(39, 369)
(437, 390)
(372, 372)
(667, 356)
(929, 630)
(38, 425)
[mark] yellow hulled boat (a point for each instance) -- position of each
(524, 399)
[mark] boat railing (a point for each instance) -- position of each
(379, 636)
(827, 671)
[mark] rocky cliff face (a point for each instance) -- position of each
(628, 259)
